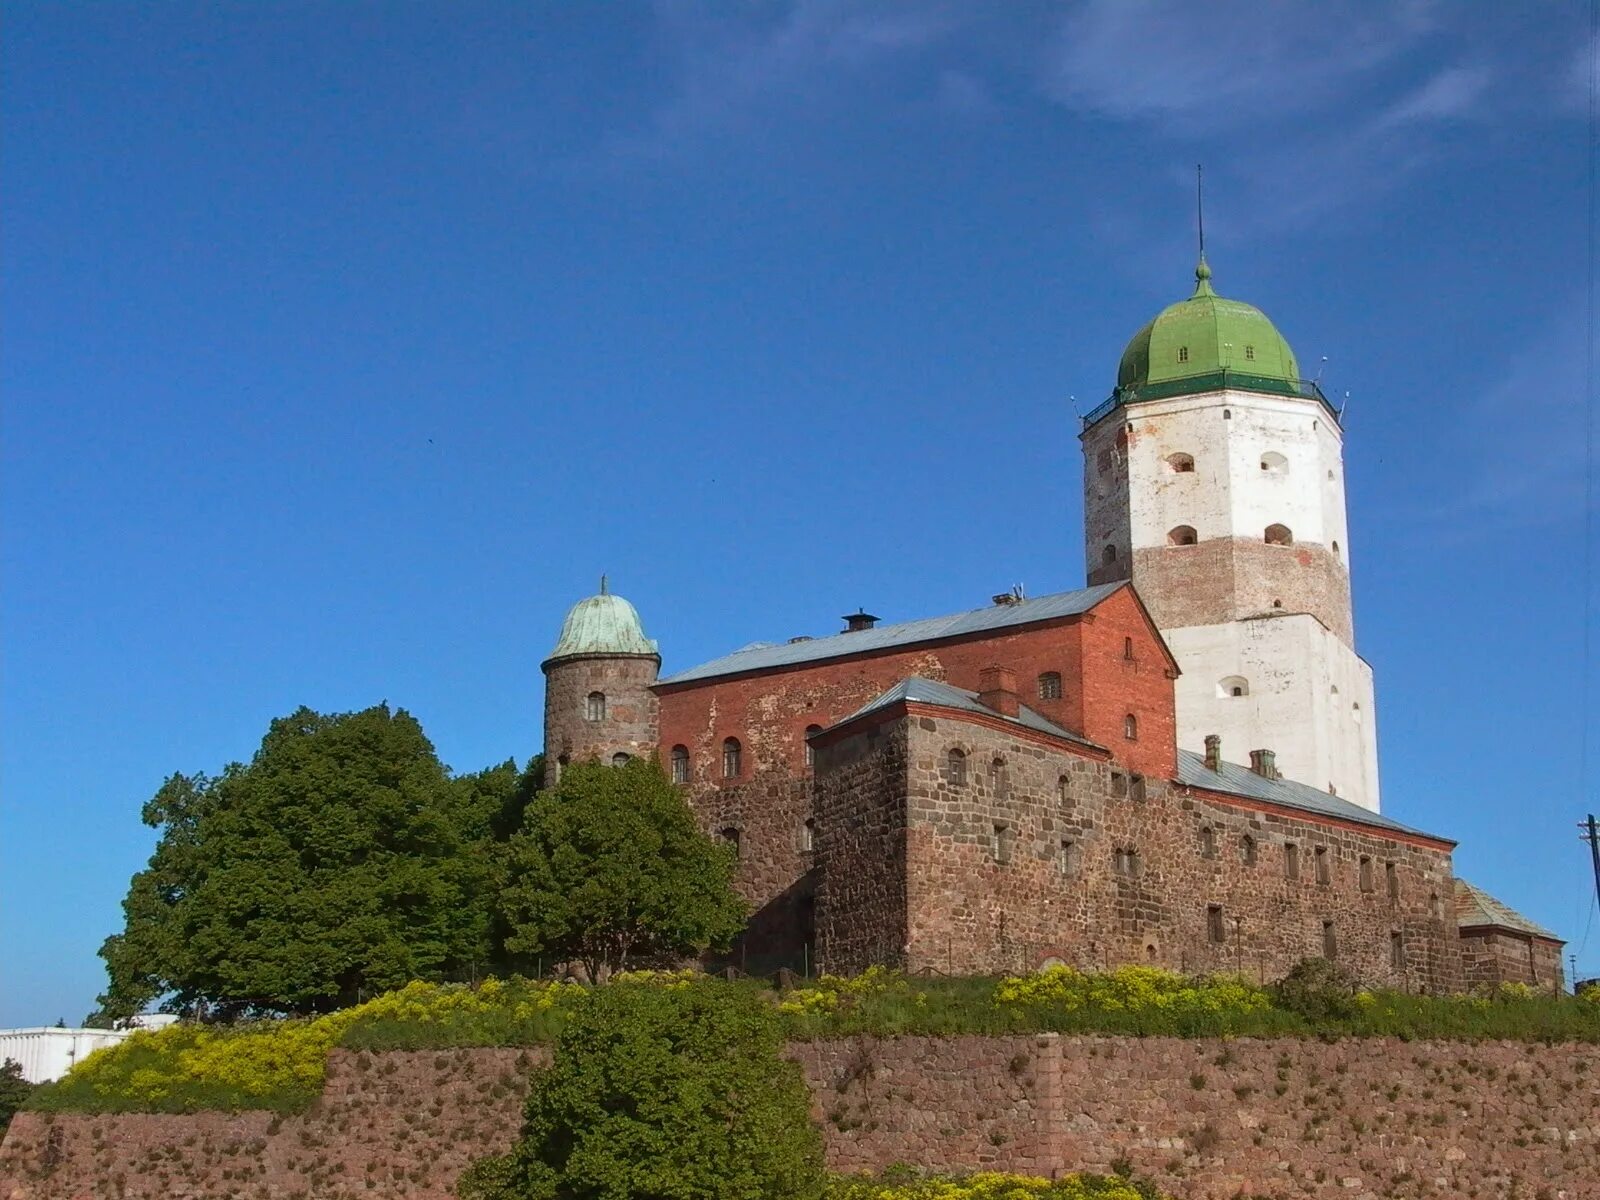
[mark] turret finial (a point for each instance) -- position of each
(603, 589)
(1202, 272)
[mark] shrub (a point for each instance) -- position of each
(663, 1092)
(988, 1186)
(1140, 1000)
(14, 1090)
(1318, 990)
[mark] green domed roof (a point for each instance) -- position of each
(1200, 338)
(603, 624)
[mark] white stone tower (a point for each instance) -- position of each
(1213, 478)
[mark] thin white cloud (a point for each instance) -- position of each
(1452, 93)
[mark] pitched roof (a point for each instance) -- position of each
(1475, 907)
(763, 656)
(1242, 781)
(931, 691)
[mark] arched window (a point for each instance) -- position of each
(1233, 685)
(680, 764)
(1004, 838)
(730, 836)
(811, 752)
(1183, 354)
(732, 758)
(619, 759)
(955, 767)
(1355, 712)
(1130, 727)
(1064, 789)
(1336, 549)
(594, 708)
(808, 836)
(997, 777)
(1227, 414)
(1127, 649)
(1050, 685)
(1274, 463)
(1182, 463)
(1109, 554)
(1182, 535)
(1279, 535)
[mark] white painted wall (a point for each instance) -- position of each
(47, 1054)
(1310, 700)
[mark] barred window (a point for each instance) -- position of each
(732, 758)
(1050, 685)
(680, 764)
(955, 767)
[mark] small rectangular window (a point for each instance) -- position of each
(1136, 787)
(1127, 649)
(1391, 876)
(1003, 835)
(1366, 874)
(1214, 926)
(1324, 868)
(1067, 859)
(1050, 685)
(1397, 951)
(1291, 861)
(1330, 943)
(1119, 784)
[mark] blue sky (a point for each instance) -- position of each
(346, 345)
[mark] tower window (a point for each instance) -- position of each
(811, 752)
(732, 758)
(1279, 535)
(1004, 835)
(1336, 549)
(619, 759)
(730, 837)
(1397, 950)
(1109, 554)
(1274, 463)
(1130, 727)
(1324, 867)
(1064, 789)
(1183, 354)
(1247, 850)
(1067, 860)
(1183, 464)
(1291, 860)
(808, 836)
(680, 764)
(1227, 414)
(1232, 686)
(1119, 785)
(1330, 943)
(1182, 535)
(1214, 927)
(1125, 861)
(1050, 685)
(1366, 874)
(1250, 353)
(1208, 842)
(594, 708)
(997, 778)
(1136, 790)
(955, 768)
(1391, 878)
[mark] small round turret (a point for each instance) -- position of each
(598, 702)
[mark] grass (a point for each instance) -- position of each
(280, 1065)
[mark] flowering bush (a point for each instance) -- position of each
(990, 1186)
(1138, 999)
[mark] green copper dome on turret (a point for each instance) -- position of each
(603, 624)
(1210, 342)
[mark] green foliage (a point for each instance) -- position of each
(663, 1092)
(989, 1186)
(14, 1090)
(610, 866)
(342, 860)
(1318, 990)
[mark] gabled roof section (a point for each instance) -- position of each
(1242, 781)
(766, 656)
(917, 690)
(1476, 908)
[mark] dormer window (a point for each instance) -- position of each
(1250, 353)
(1183, 354)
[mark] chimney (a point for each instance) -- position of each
(858, 620)
(1264, 763)
(997, 689)
(1213, 752)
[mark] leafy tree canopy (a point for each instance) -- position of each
(342, 859)
(610, 867)
(14, 1090)
(663, 1093)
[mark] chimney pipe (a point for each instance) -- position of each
(1213, 752)
(997, 690)
(1264, 763)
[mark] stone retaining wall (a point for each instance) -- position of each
(1207, 1120)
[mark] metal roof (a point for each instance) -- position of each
(1242, 781)
(931, 691)
(764, 656)
(1475, 907)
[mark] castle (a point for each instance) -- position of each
(1048, 779)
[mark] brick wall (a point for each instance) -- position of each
(1046, 851)
(1206, 1120)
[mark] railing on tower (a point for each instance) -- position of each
(1215, 381)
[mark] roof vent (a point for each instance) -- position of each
(804, 637)
(1007, 599)
(1264, 763)
(858, 620)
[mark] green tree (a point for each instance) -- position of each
(14, 1091)
(341, 860)
(610, 867)
(663, 1093)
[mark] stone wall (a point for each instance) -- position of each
(629, 725)
(1050, 851)
(1207, 1120)
(1491, 956)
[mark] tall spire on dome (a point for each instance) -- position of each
(1202, 272)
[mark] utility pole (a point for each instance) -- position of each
(1591, 834)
